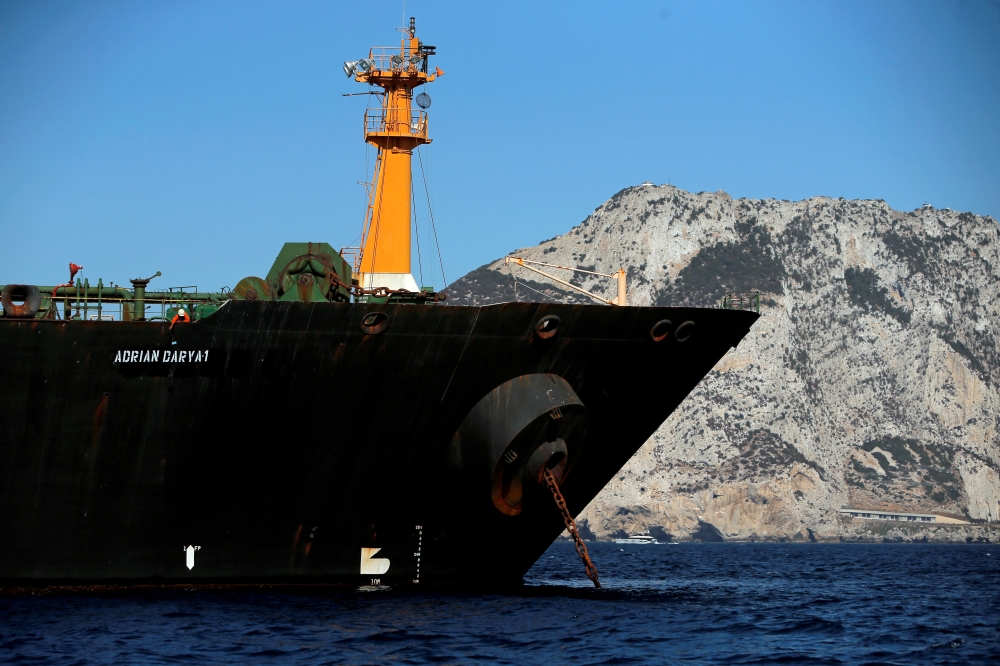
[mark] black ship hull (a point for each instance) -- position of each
(282, 441)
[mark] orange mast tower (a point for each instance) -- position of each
(396, 129)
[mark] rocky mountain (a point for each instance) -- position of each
(871, 380)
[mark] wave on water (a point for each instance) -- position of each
(693, 603)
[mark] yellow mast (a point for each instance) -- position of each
(396, 130)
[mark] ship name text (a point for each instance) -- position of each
(167, 356)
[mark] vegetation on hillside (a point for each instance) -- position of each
(752, 263)
(866, 293)
(484, 286)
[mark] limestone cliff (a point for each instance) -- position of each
(872, 378)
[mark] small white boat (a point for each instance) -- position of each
(645, 537)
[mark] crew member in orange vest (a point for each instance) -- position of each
(180, 316)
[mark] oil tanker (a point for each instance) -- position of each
(331, 422)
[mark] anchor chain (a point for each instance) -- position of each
(581, 547)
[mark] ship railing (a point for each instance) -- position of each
(748, 301)
(391, 58)
(396, 121)
(352, 255)
(83, 302)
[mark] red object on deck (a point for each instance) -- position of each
(73, 270)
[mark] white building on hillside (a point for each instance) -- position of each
(901, 516)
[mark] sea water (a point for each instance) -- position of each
(726, 603)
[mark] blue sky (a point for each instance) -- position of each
(196, 137)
